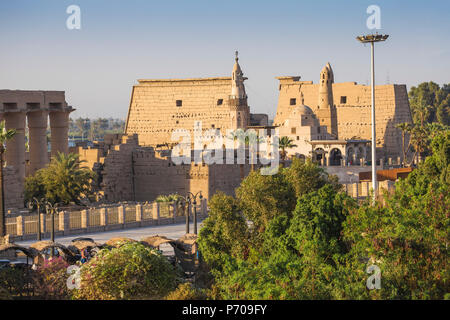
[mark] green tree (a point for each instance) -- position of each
(64, 180)
(443, 111)
(306, 176)
(408, 236)
(406, 130)
(5, 135)
(267, 242)
(430, 103)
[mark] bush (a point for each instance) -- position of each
(50, 279)
(15, 281)
(4, 294)
(131, 271)
(186, 291)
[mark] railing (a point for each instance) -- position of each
(361, 190)
(98, 219)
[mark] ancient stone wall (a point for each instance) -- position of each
(156, 175)
(117, 174)
(135, 173)
(159, 107)
(14, 196)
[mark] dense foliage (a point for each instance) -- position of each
(430, 103)
(94, 129)
(295, 235)
(15, 281)
(278, 238)
(64, 180)
(131, 271)
(408, 236)
(430, 107)
(186, 291)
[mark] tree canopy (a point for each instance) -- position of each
(63, 181)
(296, 235)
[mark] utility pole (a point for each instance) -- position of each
(372, 38)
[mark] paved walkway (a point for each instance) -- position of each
(172, 231)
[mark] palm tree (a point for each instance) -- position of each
(80, 124)
(5, 135)
(283, 144)
(406, 128)
(63, 181)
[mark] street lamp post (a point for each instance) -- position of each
(189, 199)
(38, 203)
(49, 207)
(372, 38)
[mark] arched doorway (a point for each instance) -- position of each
(319, 154)
(335, 157)
(350, 155)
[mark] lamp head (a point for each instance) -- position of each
(372, 38)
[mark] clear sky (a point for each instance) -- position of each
(122, 41)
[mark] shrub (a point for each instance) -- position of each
(4, 294)
(131, 271)
(186, 291)
(15, 281)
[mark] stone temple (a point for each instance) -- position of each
(23, 109)
(328, 121)
(344, 110)
(160, 107)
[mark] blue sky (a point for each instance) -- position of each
(122, 41)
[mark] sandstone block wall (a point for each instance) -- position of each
(154, 114)
(134, 173)
(14, 196)
(117, 174)
(354, 116)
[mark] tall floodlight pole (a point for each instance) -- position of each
(372, 38)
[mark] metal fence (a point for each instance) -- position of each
(94, 217)
(27, 223)
(130, 213)
(11, 226)
(113, 215)
(147, 211)
(31, 224)
(75, 220)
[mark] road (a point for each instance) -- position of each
(172, 231)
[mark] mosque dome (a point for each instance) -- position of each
(300, 110)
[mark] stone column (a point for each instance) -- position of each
(20, 225)
(103, 217)
(84, 219)
(155, 212)
(175, 208)
(365, 189)
(59, 126)
(355, 190)
(15, 148)
(64, 222)
(37, 127)
(138, 212)
(43, 223)
(121, 214)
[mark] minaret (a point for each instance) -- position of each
(326, 110)
(239, 110)
(237, 81)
